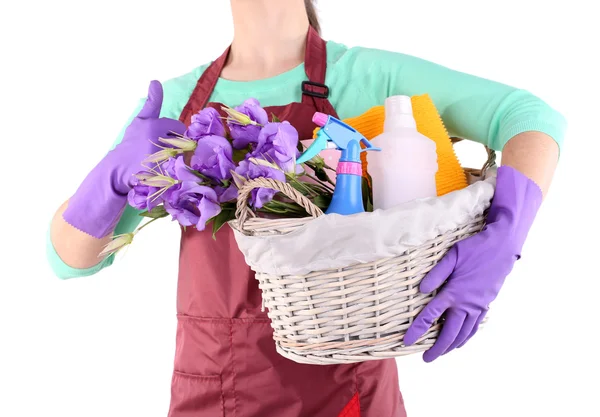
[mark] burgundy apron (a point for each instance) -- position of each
(225, 362)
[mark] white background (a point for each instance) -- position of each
(71, 73)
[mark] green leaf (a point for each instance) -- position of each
(322, 201)
(240, 154)
(369, 187)
(273, 208)
(319, 163)
(221, 219)
(294, 208)
(156, 213)
(367, 194)
(282, 212)
(274, 118)
(322, 175)
(303, 188)
(284, 208)
(230, 205)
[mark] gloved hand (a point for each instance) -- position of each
(472, 272)
(97, 205)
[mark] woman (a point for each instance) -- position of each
(226, 362)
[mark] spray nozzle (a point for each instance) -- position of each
(344, 137)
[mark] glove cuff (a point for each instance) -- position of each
(96, 206)
(516, 202)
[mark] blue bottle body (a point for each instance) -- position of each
(347, 197)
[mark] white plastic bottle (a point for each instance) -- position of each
(405, 168)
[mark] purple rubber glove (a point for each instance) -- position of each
(471, 274)
(98, 203)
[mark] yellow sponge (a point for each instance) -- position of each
(450, 175)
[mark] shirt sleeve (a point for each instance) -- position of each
(471, 107)
(128, 222)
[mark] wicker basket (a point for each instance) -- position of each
(348, 315)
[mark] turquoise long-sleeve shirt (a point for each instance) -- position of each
(359, 78)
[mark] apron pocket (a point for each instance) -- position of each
(196, 395)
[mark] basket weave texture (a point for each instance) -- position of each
(347, 315)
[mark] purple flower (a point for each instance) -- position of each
(143, 197)
(226, 194)
(177, 172)
(206, 122)
(213, 157)
(278, 143)
(245, 130)
(192, 204)
(168, 167)
(249, 170)
(177, 168)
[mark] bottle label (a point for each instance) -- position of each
(352, 168)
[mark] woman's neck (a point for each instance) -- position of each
(269, 38)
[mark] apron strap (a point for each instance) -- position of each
(314, 91)
(204, 88)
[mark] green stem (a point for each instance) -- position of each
(325, 166)
(146, 224)
(317, 189)
(321, 182)
(199, 175)
(330, 182)
(322, 190)
(329, 179)
(282, 207)
(303, 185)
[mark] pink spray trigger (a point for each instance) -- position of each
(320, 119)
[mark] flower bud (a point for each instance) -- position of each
(184, 144)
(234, 116)
(161, 156)
(118, 243)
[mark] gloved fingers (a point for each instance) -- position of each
(465, 331)
(436, 277)
(453, 323)
(475, 328)
(151, 109)
(425, 319)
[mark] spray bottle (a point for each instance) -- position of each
(347, 196)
